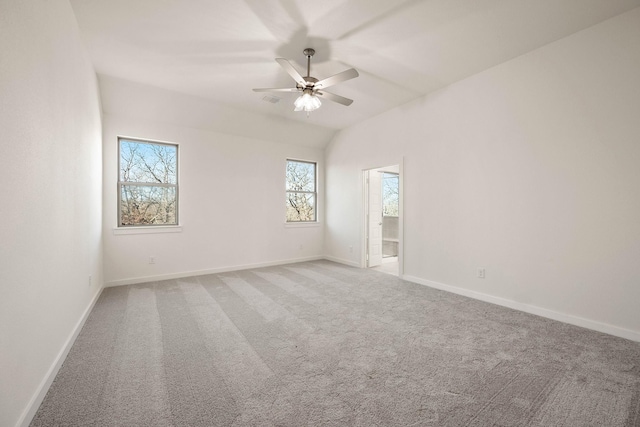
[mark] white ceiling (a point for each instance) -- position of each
(403, 49)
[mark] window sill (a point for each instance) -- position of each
(301, 224)
(147, 230)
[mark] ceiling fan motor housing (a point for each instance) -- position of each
(310, 82)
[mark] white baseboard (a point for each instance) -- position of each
(43, 388)
(135, 280)
(342, 261)
(532, 309)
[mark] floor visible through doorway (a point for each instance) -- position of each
(389, 266)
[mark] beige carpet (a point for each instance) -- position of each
(321, 344)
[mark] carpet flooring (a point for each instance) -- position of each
(322, 344)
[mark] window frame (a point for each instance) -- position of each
(314, 192)
(147, 184)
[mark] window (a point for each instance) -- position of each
(301, 191)
(147, 183)
(390, 193)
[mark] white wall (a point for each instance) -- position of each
(529, 170)
(51, 214)
(231, 195)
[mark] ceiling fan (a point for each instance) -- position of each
(312, 89)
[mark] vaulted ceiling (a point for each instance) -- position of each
(403, 49)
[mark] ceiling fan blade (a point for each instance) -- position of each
(292, 71)
(335, 98)
(337, 78)
(276, 89)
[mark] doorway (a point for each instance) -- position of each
(383, 223)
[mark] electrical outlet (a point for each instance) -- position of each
(481, 273)
(90, 280)
(350, 248)
(152, 260)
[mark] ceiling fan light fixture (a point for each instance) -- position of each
(307, 102)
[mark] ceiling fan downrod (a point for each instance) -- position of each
(309, 52)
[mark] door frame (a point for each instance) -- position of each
(364, 225)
